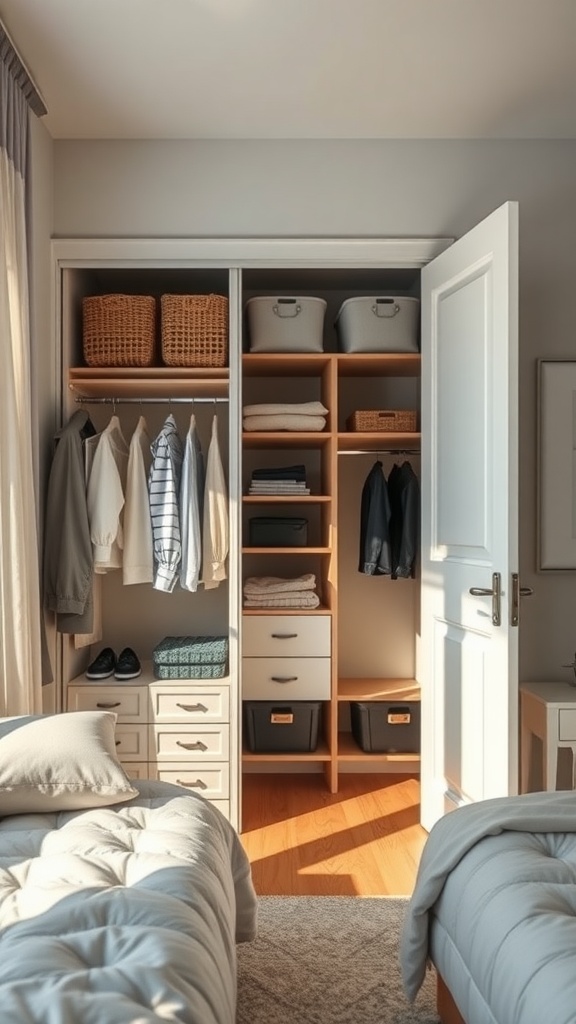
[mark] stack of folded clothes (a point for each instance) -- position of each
(283, 480)
(286, 416)
(277, 592)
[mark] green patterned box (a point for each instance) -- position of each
(191, 657)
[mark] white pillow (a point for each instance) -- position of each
(63, 762)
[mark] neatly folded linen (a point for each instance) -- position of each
(284, 422)
(279, 408)
(268, 585)
(298, 599)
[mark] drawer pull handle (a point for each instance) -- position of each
(113, 704)
(192, 785)
(284, 679)
(198, 745)
(192, 707)
(118, 742)
(284, 636)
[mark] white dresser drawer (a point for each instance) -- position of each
(286, 678)
(131, 742)
(130, 703)
(286, 636)
(210, 780)
(567, 724)
(194, 743)
(177, 703)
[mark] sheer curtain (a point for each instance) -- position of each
(20, 636)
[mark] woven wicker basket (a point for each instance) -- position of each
(383, 420)
(119, 330)
(194, 330)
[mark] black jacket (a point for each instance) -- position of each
(404, 495)
(374, 557)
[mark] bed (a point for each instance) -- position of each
(494, 910)
(120, 901)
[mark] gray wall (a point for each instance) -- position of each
(405, 188)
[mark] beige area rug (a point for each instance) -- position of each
(328, 960)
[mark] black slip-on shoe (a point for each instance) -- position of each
(127, 665)
(102, 666)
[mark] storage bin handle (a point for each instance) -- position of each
(286, 307)
(385, 308)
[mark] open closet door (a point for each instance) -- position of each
(468, 658)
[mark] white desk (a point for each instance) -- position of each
(548, 711)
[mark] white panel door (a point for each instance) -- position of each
(468, 664)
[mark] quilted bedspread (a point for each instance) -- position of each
(123, 915)
(494, 907)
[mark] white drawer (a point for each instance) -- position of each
(136, 769)
(131, 742)
(193, 743)
(130, 703)
(567, 724)
(286, 636)
(286, 678)
(175, 703)
(210, 780)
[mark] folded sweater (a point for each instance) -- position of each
(278, 409)
(268, 585)
(284, 422)
(297, 599)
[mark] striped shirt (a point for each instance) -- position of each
(164, 490)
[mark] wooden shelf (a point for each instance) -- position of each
(381, 364)
(285, 439)
(375, 442)
(348, 750)
(148, 382)
(285, 364)
(286, 499)
(364, 364)
(286, 551)
(378, 689)
(320, 754)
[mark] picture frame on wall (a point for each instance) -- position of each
(556, 465)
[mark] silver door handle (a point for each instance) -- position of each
(517, 593)
(495, 594)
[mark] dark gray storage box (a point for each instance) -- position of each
(386, 323)
(271, 727)
(278, 532)
(386, 727)
(286, 323)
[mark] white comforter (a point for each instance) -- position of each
(123, 915)
(456, 834)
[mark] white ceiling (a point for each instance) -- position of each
(274, 69)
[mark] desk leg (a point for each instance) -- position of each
(550, 764)
(526, 751)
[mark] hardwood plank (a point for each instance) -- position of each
(302, 840)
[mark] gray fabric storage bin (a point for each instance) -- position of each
(384, 323)
(285, 323)
(272, 727)
(278, 532)
(381, 727)
(191, 657)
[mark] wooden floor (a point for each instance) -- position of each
(302, 840)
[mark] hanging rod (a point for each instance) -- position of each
(380, 451)
(141, 401)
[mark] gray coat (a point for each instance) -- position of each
(68, 559)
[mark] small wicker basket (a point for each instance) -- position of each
(119, 330)
(194, 330)
(383, 420)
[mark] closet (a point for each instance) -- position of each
(363, 640)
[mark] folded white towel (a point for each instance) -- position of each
(284, 422)
(301, 599)
(279, 408)
(267, 585)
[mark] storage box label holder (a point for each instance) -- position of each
(385, 308)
